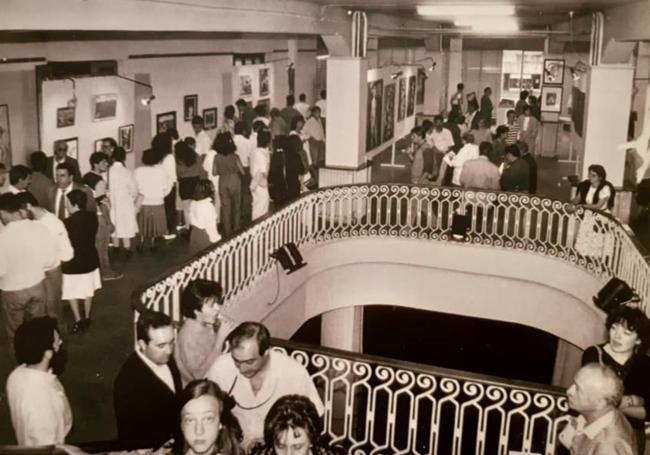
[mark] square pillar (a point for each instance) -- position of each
(454, 69)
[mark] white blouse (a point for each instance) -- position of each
(203, 215)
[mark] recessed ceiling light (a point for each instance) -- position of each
(466, 10)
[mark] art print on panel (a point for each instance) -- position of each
(5, 138)
(190, 107)
(245, 85)
(210, 118)
(104, 107)
(373, 127)
(553, 71)
(125, 137)
(389, 112)
(65, 117)
(264, 82)
(411, 97)
(551, 99)
(401, 105)
(165, 121)
(422, 77)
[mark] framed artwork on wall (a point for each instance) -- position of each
(210, 118)
(65, 117)
(73, 146)
(551, 99)
(125, 137)
(165, 121)
(104, 107)
(389, 112)
(264, 82)
(5, 138)
(422, 77)
(553, 71)
(373, 133)
(410, 110)
(245, 85)
(401, 105)
(190, 107)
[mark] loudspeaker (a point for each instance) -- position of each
(459, 226)
(289, 257)
(613, 294)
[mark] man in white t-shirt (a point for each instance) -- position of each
(203, 141)
(302, 106)
(256, 376)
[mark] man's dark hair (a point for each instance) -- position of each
(291, 100)
(240, 127)
(438, 118)
(18, 173)
(418, 131)
(302, 97)
(33, 338)
(38, 161)
(258, 126)
(634, 320)
(185, 154)
(486, 89)
(248, 330)
(151, 157)
(9, 203)
(502, 129)
(288, 413)
(229, 112)
(197, 120)
(484, 148)
(513, 150)
(523, 95)
(162, 143)
(67, 167)
(460, 86)
(195, 294)
(223, 144)
(323, 94)
(510, 111)
(314, 109)
(150, 320)
(263, 139)
(24, 198)
(119, 154)
(112, 142)
(295, 120)
(78, 198)
(241, 102)
(97, 157)
(260, 110)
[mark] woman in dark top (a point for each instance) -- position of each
(230, 171)
(189, 171)
(625, 353)
(81, 276)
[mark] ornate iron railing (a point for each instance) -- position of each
(375, 405)
(595, 242)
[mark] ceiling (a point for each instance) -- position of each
(532, 14)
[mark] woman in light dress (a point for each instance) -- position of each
(260, 162)
(123, 193)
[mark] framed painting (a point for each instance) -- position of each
(73, 146)
(210, 118)
(389, 112)
(410, 109)
(104, 107)
(65, 117)
(401, 104)
(553, 71)
(190, 107)
(551, 99)
(125, 137)
(5, 138)
(375, 94)
(422, 77)
(165, 121)
(264, 82)
(245, 85)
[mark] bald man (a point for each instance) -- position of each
(600, 429)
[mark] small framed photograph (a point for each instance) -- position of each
(125, 137)
(165, 121)
(264, 82)
(104, 107)
(210, 118)
(551, 99)
(98, 145)
(65, 117)
(73, 146)
(553, 71)
(190, 107)
(245, 85)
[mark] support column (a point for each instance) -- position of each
(343, 329)
(454, 69)
(567, 362)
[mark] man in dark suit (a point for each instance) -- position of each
(516, 174)
(60, 157)
(145, 392)
(64, 184)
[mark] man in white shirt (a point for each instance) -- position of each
(302, 106)
(440, 137)
(256, 376)
(315, 132)
(20, 177)
(601, 428)
(469, 151)
(203, 141)
(59, 236)
(40, 411)
(26, 252)
(322, 104)
(146, 388)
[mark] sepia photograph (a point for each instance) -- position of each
(104, 107)
(190, 107)
(375, 93)
(165, 121)
(210, 118)
(125, 137)
(264, 82)
(401, 103)
(65, 116)
(389, 112)
(553, 72)
(245, 85)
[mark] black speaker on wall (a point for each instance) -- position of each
(289, 257)
(615, 293)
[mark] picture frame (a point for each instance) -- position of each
(551, 99)
(165, 121)
(190, 107)
(125, 137)
(245, 85)
(65, 117)
(97, 145)
(401, 103)
(410, 106)
(422, 77)
(389, 112)
(375, 102)
(264, 82)
(73, 146)
(210, 118)
(5, 136)
(553, 71)
(104, 107)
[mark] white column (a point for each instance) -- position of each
(343, 329)
(454, 68)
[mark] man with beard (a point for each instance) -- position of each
(40, 412)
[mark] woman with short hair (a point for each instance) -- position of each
(202, 217)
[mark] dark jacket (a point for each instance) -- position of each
(486, 109)
(516, 177)
(91, 205)
(40, 188)
(532, 169)
(583, 189)
(49, 168)
(147, 412)
(82, 229)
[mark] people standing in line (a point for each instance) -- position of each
(521, 103)
(260, 162)
(81, 277)
(54, 276)
(230, 171)
(95, 181)
(27, 251)
(202, 337)
(516, 173)
(152, 183)
(513, 127)
(468, 151)
(202, 217)
(41, 184)
(61, 157)
(39, 407)
(189, 171)
(123, 194)
(244, 148)
(529, 129)
(203, 141)
(288, 113)
(480, 173)
(146, 389)
(20, 178)
(163, 145)
(302, 106)
(532, 165)
(486, 106)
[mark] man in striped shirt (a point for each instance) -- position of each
(514, 129)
